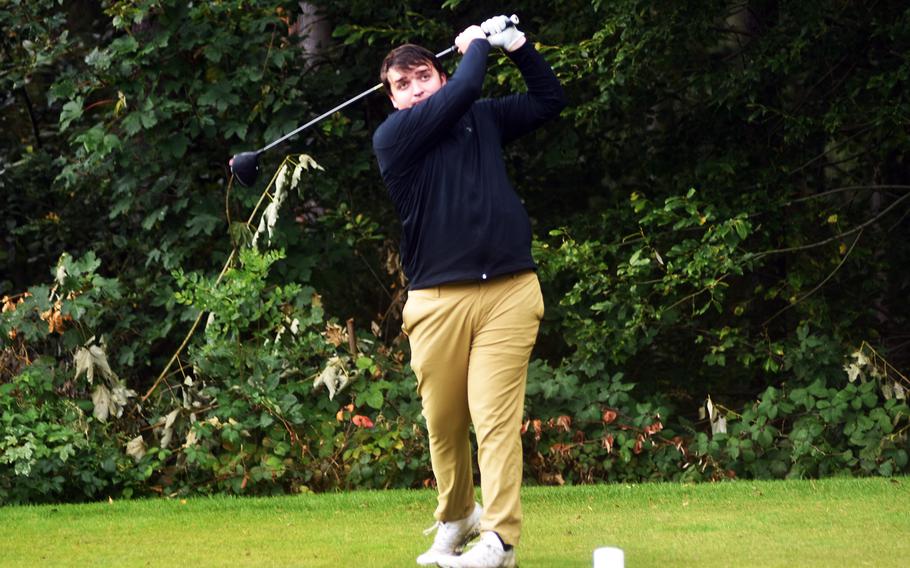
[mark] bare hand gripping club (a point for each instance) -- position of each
(245, 166)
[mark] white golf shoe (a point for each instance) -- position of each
(487, 553)
(451, 537)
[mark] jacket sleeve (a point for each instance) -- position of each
(407, 134)
(521, 113)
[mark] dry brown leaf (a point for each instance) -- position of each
(135, 448)
(335, 334)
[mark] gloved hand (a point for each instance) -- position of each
(464, 39)
(501, 34)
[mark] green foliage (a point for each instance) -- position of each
(717, 215)
(721, 290)
(251, 416)
(830, 424)
(647, 282)
(52, 449)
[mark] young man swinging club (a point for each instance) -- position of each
(474, 303)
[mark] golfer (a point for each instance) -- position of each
(474, 303)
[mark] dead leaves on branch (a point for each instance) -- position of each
(281, 184)
(91, 358)
(136, 448)
(342, 369)
(335, 335)
(867, 364)
(109, 396)
(54, 317)
(567, 437)
(9, 305)
(110, 401)
(334, 377)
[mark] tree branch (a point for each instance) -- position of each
(817, 288)
(846, 188)
(695, 294)
(31, 116)
(831, 149)
(836, 237)
(221, 274)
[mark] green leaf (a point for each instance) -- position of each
(374, 398)
(71, 111)
(202, 223)
(237, 129)
(637, 260)
(175, 146)
(132, 123)
(100, 59)
(741, 229)
(154, 217)
(148, 119)
(886, 469)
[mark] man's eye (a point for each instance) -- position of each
(424, 76)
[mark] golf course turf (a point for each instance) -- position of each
(832, 522)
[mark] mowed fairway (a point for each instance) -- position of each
(835, 522)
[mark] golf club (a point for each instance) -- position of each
(245, 166)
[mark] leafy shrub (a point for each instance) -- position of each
(718, 212)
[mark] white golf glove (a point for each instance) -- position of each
(501, 34)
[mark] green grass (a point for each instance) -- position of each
(839, 522)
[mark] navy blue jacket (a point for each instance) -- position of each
(441, 161)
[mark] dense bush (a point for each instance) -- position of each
(719, 220)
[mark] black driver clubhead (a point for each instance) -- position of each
(245, 167)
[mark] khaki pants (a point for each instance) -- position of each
(470, 345)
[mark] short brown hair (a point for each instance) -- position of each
(407, 56)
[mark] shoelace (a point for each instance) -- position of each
(435, 526)
(448, 537)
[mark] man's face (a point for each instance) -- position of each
(414, 85)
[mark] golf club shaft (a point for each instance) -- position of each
(320, 117)
(513, 21)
